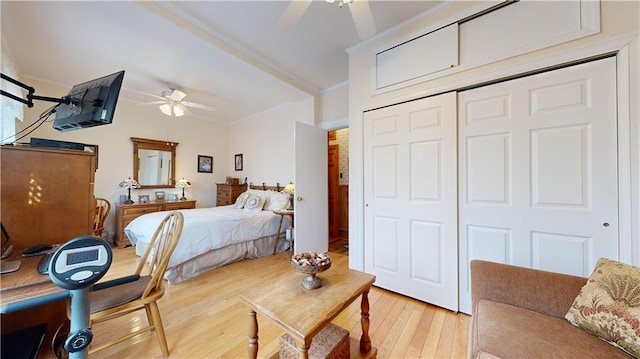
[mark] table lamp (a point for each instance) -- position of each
(183, 183)
(129, 184)
(290, 189)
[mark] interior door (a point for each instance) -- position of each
(311, 224)
(333, 169)
(410, 192)
(538, 171)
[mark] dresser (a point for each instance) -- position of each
(226, 194)
(47, 194)
(129, 212)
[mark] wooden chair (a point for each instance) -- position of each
(102, 209)
(140, 291)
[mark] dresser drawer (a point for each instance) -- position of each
(179, 205)
(139, 211)
(224, 194)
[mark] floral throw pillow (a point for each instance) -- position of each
(608, 306)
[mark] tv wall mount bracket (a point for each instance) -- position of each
(30, 94)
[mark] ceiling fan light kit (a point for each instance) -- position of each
(172, 103)
(340, 2)
(172, 109)
(360, 13)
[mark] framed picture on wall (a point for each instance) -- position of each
(238, 161)
(205, 164)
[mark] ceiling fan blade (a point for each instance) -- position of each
(294, 12)
(147, 94)
(177, 95)
(363, 18)
(197, 105)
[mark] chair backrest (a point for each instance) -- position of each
(101, 211)
(160, 248)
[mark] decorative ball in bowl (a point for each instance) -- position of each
(311, 263)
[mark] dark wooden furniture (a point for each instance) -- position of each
(286, 303)
(128, 212)
(47, 194)
(47, 198)
(227, 194)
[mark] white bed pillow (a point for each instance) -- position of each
(258, 192)
(241, 200)
(254, 203)
(277, 201)
(264, 194)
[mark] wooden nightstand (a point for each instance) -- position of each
(129, 212)
(282, 213)
(227, 194)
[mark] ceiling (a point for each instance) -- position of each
(231, 55)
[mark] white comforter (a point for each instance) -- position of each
(206, 229)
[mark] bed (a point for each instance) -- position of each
(213, 237)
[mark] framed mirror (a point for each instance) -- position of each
(154, 162)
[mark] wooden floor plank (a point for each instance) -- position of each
(204, 318)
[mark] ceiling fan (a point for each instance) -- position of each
(360, 12)
(172, 102)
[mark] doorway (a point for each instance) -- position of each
(338, 190)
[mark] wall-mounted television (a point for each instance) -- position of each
(91, 104)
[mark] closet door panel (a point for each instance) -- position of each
(538, 178)
(410, 199)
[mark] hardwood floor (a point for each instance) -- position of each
(204, 318)
(339, 244)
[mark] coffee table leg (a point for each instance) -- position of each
(253, 335)
(365, 341)
(303, 350)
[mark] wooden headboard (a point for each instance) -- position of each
(264, 187)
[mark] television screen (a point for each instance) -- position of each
(92, 104)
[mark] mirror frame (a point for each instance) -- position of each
(147, 144)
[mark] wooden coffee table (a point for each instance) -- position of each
(303, 313)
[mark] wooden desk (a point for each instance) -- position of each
(303, 313)
(27, 284)
(282, 213)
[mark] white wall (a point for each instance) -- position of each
(265, 140)
(266, 143)
(195, 137)
(618, 19)
(335, 107)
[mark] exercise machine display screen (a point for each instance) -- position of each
(80, 262)
(82, 257)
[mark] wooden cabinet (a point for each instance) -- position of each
(47, 197)
(129, 212)
(47, 194)
(228, 193)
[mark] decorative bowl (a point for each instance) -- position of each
(311, 263)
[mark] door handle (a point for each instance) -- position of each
(298, 198)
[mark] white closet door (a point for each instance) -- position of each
(538, 171)
(410, 197)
